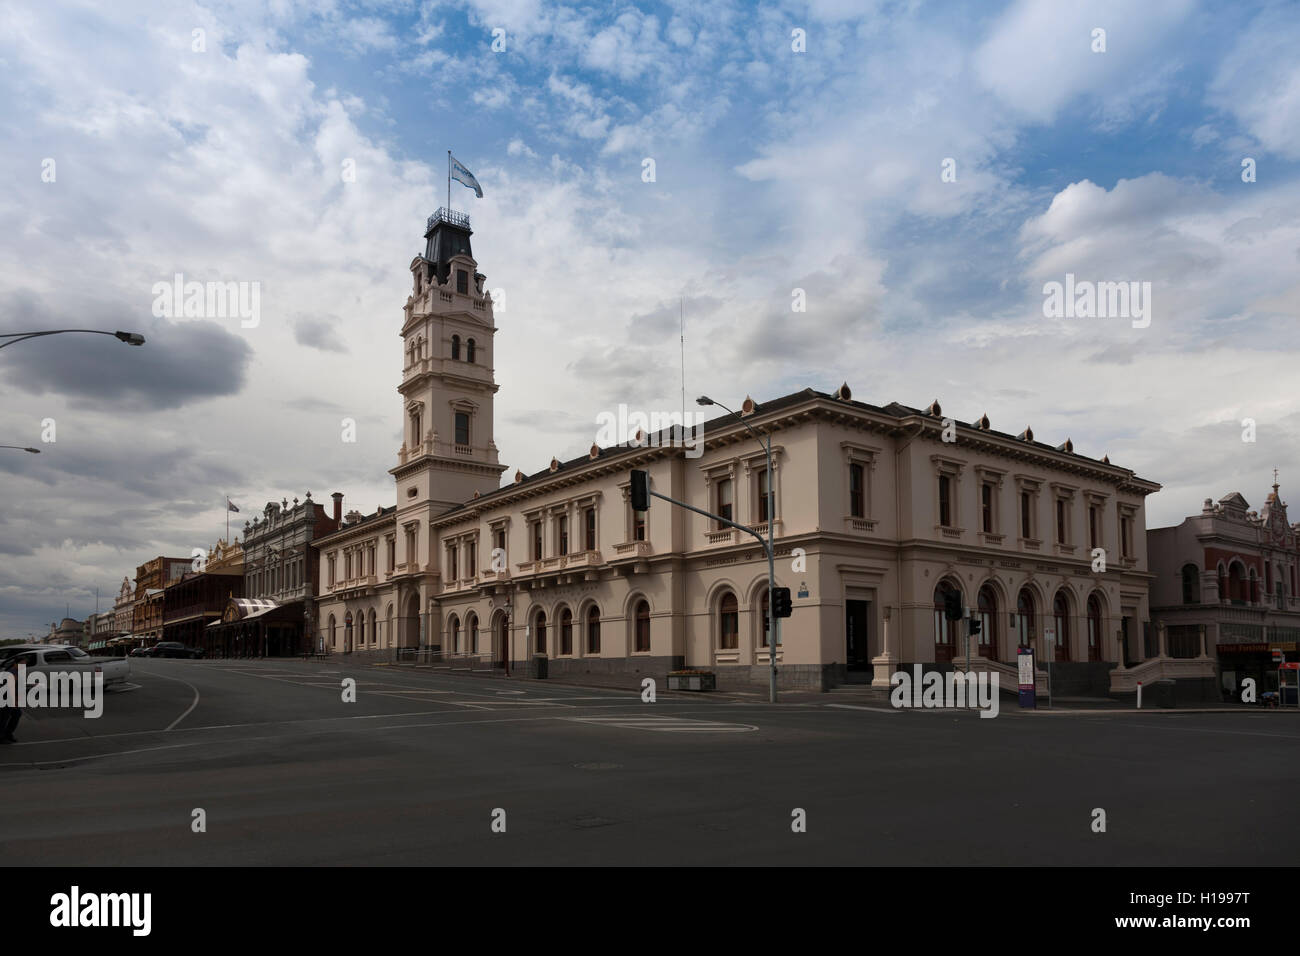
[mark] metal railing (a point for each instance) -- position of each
(448, 216)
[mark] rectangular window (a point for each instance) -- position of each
(462, 281)
(589, 520)
(762, 495)
(1094, 526)
(392, 553)
(330, 563)
(857, 492)
(1026, 515)
(724, 501)
(986, 507)
(945, 501)
(499, 542)
(451, 563)
(462, 428)
(471, 557)
(1062, 517)
(1125, 536)
(537, 541)
(562, 534)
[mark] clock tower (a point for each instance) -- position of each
(448, 453)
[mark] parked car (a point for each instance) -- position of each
(64, 657)
(139, 652)
(174, 649)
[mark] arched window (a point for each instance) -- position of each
(347, 633)
(593, 630)
(333, 632)
(1191, 584)
(1061, 621)
(472, 629)
(1094, 628)
(1236, 584)
(454, 626)
(388, 628)
(455, 347)
(945, 631)
(642, 645)
(1026, 619)
(469, 351)
(539, 629)
(566, 632)
(728, 623)
(373, 635)
(988, 617)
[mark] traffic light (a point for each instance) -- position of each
(976, 625)
(640, 490)
(952, 608)
(781, 602)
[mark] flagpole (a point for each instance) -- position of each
(448, 181)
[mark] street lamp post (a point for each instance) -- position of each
(130, 338)
(772, 621)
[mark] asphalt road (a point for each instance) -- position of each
(413, 770)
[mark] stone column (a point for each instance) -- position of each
(1119, 648)
(883, 665)
(1163, 649)
(1205, 653)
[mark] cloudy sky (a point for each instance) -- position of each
(301, 146)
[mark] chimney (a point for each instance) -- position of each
(338, 507)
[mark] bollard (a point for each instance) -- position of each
(1139, 695)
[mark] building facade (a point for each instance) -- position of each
(880, 511)
(276, 615)
(151, 579)
(1225, 589)
(124, 608)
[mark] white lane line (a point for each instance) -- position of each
(194, 703)
(665, 724)
(878, 710)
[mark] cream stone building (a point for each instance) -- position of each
(879, 511)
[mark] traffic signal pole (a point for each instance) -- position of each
(773, 622)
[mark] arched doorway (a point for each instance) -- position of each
(988, 617)
(1061, 624)
(408, 622)
(347, 633)
(1026, 620)
(946, 632)
(501, 641)
(1094, 628)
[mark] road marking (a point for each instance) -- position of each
(194, 703)
(674, 725)
(878, 710)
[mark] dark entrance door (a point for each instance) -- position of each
(857, 648)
